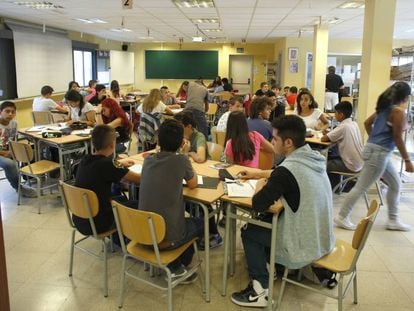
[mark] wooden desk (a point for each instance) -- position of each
(230, 237)
(65, 145)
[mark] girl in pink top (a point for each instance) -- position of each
(243, 147)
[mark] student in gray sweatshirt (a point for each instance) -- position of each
(305, 228)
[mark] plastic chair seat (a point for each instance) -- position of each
(41, 167)
(339, 259)
(105, 234)
(147, 253)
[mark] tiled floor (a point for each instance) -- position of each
(37, 250)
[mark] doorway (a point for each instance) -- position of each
(241, 68)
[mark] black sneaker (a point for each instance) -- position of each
(215, 241)
(191, 279)
(252, 296)
(176, 274)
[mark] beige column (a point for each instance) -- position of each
(320, 60)
(376, 55)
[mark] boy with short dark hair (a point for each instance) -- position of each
(99, 96)
(348, 138)
(264, 87)
(8, 132)
(291, 97)
(97, 172)
(164, 171)
(45, 102)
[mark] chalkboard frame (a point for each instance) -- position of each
(181, 64)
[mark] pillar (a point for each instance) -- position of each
(320, 61)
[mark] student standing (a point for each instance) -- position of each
(333, 85)
(197, 103)
(305, 229)
(164, 171)
(348, 139)
(385, 129)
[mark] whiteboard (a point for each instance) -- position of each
(41, 59)
(122, 67)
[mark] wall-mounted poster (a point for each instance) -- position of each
(293, 53)
(293, 68)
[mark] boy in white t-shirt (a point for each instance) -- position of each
(45, 103)
(8, 132)
(235, 104)
(348, 138)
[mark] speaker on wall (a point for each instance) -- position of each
(124, 47)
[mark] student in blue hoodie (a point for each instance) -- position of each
(305, 228)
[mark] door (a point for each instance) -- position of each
(241, 67)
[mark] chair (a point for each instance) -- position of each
(266, 160)
(146, 230)
(215, 151)
(218, 137)
(42, 117)
(23, 154)
(342, 260)
(225, 96)
(351, 176)
(84, 204)
(212, 109)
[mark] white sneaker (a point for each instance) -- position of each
(344, 223)
(397, 225)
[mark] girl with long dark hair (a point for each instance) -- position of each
(79, 110)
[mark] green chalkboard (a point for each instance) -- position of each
(181, 64)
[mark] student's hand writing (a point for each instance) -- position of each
(409, 167)
(248, 175)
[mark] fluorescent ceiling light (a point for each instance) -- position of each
(91, 20)
(205, 20)
(120, 29)
(146, 38)
(39, 5)
(194, 3)
(352, 5)
(197, 39)
(212, 30)
(306, 30)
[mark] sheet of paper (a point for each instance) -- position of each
(199, 180)
(82, 132)
(175, 111)
(38, 128)
(136, 168)
(241, 190)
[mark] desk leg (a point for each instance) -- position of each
(272, 261)
(62, 166)
(227, 240)
(206, 251)
(233, 235)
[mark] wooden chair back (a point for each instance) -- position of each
(134, 224)
(364, 227)
(218, 137)
(215, 151)
(266, 160)
(225, 96)
(212, 109)
(79, 201)
(22, 152)
(348, 99)
(42, 117)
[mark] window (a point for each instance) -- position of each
(82, 66)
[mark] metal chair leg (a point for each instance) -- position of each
(282, 288)
(105, 259)
(19, 190)
(340, 292)
(72, 249)
(355, 288)
(122, 288)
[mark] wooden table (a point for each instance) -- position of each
(65, 145)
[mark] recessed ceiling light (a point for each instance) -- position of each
(197, 39)
(352, 5)
(120, 29)
(194, 3)
(212, 30)
(39, 5)
(146, 38)
(205, 20)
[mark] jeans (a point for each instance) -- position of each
(194, 227)
(10, 169)
(377, 164)
(336, 165)
(200, 119)
(256, 243)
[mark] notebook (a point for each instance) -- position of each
(238, 189)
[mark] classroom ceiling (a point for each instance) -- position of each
(236, 20)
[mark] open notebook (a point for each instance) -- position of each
(241, 189)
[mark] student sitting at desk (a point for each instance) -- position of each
(99, 96)
(259, 112)
(227, 85)
(45, 103)
(308, 110)
(168, 99)
(91, 90)
(243, 146)
(291, 97)
(164, 171)
(216, 82)
(349, 141)
(97, 172)
(79, 110)
(264, 87)
(153, 104)
(235, 104)
(182, 91)
(195, 144)
(8, 132)
(113, 115)
(305, 228)
(115, 91)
